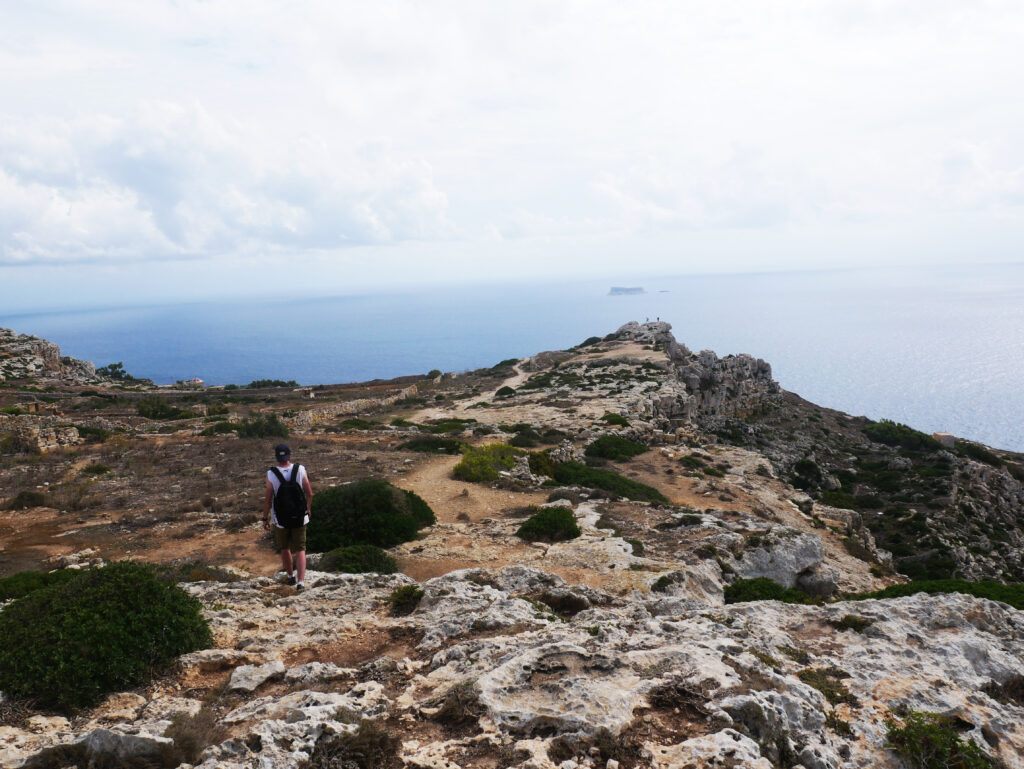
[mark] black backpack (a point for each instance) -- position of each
(290, 500)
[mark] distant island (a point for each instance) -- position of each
(626, 290)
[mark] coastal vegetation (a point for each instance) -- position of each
(366, 512)
(105, 630)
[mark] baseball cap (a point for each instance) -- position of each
(282, 452)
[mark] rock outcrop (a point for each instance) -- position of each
(28, 357)
(749, 684)
(703, 385)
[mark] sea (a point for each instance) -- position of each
(938, 348)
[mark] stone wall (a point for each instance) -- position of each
(315, 416)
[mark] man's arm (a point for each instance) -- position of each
(268, 498)
(309, 494)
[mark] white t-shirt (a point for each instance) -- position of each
(286, 471)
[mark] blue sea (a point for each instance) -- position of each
(941, 349)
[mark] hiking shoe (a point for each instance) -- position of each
(290, 580)
(299, 587)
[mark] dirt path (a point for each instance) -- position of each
(451, 499)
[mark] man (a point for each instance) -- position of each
(288, 488)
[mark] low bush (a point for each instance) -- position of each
(763, 589)
(192, 734)
(615, 419)
(23, 500)
(193, 571)
(405, 599)
(576, 474)
(25, 582)
(449, 426)
(263, 426)
(896, 434)
(930, 741)
(257, 384)
(459, 707)
(358, 559)
(154, 407)
(433, 444)
(541, 463)
(504, 392)
(220, 428)
(106, 630)
(367, 512)
(614, 447)
(92, 434)
(355, 423)
(978, 453)
(481, 464)
(829, 681)
(550, 524)
(96, 469)
(368, 747)
(1012, 593)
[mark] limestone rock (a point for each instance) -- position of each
(248, 678)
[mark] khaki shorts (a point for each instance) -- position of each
(293, 539)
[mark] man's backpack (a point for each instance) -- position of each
(289, 500)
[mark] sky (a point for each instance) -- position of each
(187, 149)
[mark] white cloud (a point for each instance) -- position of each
(230, 130)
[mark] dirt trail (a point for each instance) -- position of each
(450, 498)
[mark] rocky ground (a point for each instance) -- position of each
(615, 649)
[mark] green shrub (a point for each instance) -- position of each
(481, 464)
(405, 599)
(263, 426)
(14, 411)
(852, 622)
(576, 474)
(25, 582)
(449, 425)
(829, 682)
(505, 392)
(931, 741)
(96, 469)
(154, 407)
(193, 571)
(541, 463)
(355, 423)
(367, 512)
(257, 384)
(896, 434)
(978, 453)
(92, 434)
(1012, 593)
(763, 589)
(614, 447)
(549, 524)
(615, 419)
(106, 630)
(433, 444)
(359, 559)
(806, 473)
(26, 499)
(220, 428)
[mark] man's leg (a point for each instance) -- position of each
(300, 566)
(281, 540)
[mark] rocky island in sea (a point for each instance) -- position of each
(628, 554)
(626, 290)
